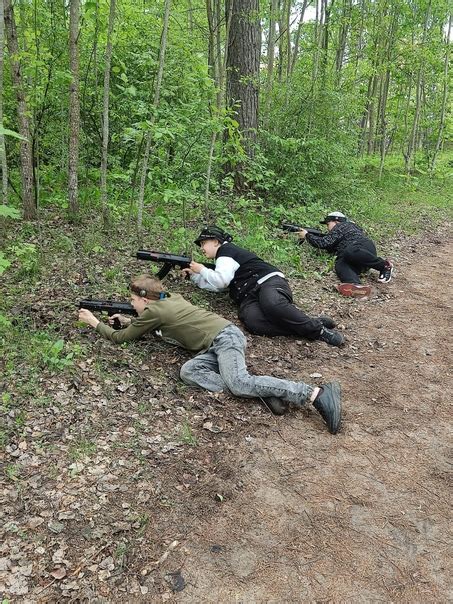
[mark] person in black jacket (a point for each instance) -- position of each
(260, 289)
(354, 250)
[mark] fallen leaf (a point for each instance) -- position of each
(59, 573)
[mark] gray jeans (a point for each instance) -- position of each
(223, 367)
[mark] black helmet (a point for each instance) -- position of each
(213, 232)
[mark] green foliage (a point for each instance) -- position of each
(83, 447)
(186, 435)
(9, 212)
(4, 263)
(27, 255)
(51, 353)
(4, 322)
(6, 132)
(64, 243)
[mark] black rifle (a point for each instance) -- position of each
(110, 307)
(294, 228)
(169, 261)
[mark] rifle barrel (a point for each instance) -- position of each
(169, 259)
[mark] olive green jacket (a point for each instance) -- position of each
(176, 320)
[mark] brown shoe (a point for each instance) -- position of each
(353, 290)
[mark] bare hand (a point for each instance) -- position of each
(196, 267)
(302, 234)
(125, 321)
(86, 316)
(186, 272)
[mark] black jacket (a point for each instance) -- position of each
(338, 239)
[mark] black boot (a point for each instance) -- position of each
(276, 405)
(328, 403)
(334, 338)
(327, 321)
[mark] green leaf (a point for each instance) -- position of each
(4, 263)
(58, 346)
(9, 212)
(8, 132)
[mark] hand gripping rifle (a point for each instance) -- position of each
(169, 261)
(110, 307)
(295, 228)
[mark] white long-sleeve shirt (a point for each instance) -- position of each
(219, 279)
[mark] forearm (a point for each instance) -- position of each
(118, 336)
(134, 331)
(325, 242)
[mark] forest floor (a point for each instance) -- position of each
(124, 485)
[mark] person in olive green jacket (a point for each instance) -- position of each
(219, 364)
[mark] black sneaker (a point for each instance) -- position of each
(276, 405)
(334, 338)
(386, 273)
(328, 403)
(327, 321)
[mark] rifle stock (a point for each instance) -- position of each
(111, 307)
(169, 261)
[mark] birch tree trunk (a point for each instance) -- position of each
(74, 110)
(105, 115)
(26, 156)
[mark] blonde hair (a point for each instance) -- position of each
(146, 287)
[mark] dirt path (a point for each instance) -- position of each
(122, 485)
(364, 516)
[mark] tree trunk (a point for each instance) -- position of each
(315, 60)
(288, 39)
(325, 39)
(244, 49)
(105, 115)
(270, 60)
(342, 37)
(298, 32)
(4, 165)
(383, 122)
(280, 39)
(74, 110)
(211, 40)
(160, 73)
(412, 142)
(26, 159)
(443, 109)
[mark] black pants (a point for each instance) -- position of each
(356, 258)
(270, 311)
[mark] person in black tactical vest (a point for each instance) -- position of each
(355, 253)
(260, 289)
